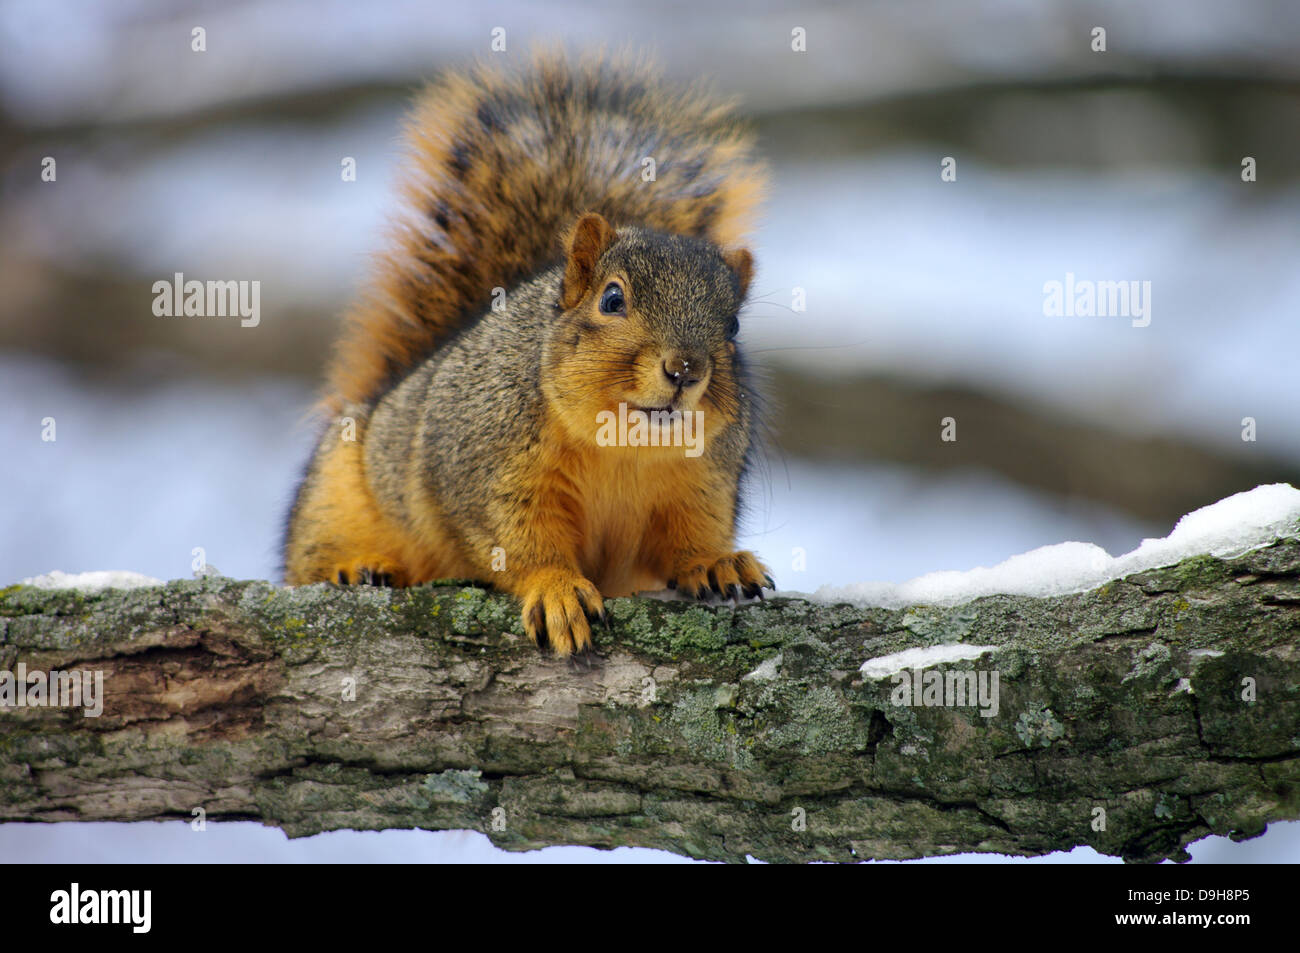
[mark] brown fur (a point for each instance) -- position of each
(491, 188)
(476, 426)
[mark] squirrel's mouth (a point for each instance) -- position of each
(673, 409)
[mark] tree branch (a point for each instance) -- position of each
(710, 731)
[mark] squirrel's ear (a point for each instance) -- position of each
(740, 261)
(585, 243)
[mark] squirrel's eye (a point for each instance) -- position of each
(733, 327)
(611, 300)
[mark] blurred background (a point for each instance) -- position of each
(887, 299)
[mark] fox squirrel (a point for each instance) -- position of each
(543, 284)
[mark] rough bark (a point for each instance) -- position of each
(710, 731)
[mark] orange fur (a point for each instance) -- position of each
(617, 518)
(344, 532)
(503, 164)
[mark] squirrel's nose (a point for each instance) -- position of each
(684, 370)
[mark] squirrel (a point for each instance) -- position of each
(542, 284)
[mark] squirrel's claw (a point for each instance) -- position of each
(730, 577)
(582, 661)
(559, 608)
(365, 572)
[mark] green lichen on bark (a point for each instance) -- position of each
(1166, 704)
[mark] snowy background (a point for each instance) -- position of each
(174, 434)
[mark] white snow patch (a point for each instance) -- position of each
(887, 665)
(1228, 528)
(92, 581)
(766, 670)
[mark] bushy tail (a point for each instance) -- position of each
(504, 160)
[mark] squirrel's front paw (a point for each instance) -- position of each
(369, 571)
(738, 574)
(559, 607)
